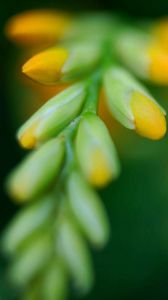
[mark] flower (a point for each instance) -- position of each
(37, 27)
(62, 63)
(37, 172)
(132, 105)
(150, 61)
(88, 210)
(75, 153)
(94, 146)
(53, 116)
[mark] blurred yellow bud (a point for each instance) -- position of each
(144, 55)
(158, 66)
(96, 152)
(160, 32)
(37, 27)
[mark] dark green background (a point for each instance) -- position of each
(134, 265)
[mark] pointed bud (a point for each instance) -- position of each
(88, 210)
(151, 59)
(37, 27)
(158, 69)
(37, 172)
(31, 260)
(26, 222)
(54, 64)
(76, 256)
(53, 116)
(46, 67)
(96, 152)
(160, 31)
(132, 105)
(54, 283)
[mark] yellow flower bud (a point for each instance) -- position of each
(96, 152)
(148, 119)
(37, 27)
(53, 116)
(64, 63)
(160, 32)
(45, 67)
(158, 66)
(132, 105)
(147, 57)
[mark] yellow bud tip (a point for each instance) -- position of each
(45, 67)
(149, 120)
(160, 32)
(100, 173)
(27, 139)
(158, 66)
(37, 27)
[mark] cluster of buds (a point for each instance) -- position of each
(73, 149)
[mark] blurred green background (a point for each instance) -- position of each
(134, 265)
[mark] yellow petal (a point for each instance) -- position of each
(37, 27)
(100, 172)
(27, 139)
(158, 68)
(149, 120)
(160, 32)
(45, 67)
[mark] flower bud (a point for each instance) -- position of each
(132, 105)
(53, 116)
(160, 31)
(88, 210)
(26, 222)
(31, 260)
(46, 67)
(37, 27)
(37, 172)
(62, 63)
(54, 283)
(96, 152)
(75, 254)
(144, 55)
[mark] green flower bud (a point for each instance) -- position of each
(131, 47)
(132, 105)
(75, 255)
(26, 222)
(53, 116)
(62, 63)
(37, 172)
(83, 56)
(31, 260)
(88, 210)
(96, 152)
(54, 283)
